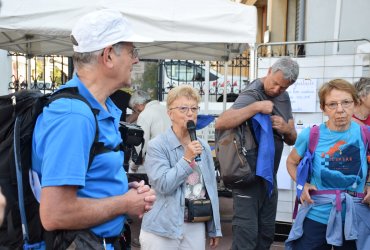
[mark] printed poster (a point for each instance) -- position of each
(303, 95)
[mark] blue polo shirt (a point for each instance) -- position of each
(62, 139)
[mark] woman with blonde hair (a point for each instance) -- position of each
(179, 180)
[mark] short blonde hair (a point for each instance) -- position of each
(182, 91)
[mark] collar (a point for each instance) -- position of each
(172, 139)
(103, 114)
(151, 103)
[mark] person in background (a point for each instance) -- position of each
(152, 118)
(87, 204)
(121, 99)
(176, 176)
(362, 109)
(255, 207)
(335, 202)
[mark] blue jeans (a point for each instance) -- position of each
(314, 238)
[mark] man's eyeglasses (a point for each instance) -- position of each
(184, 109)
(134, 53)
(344, 104)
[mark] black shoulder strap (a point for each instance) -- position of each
(97, 147)
(259, 97)
(250, 125)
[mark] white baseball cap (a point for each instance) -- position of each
(102, 28)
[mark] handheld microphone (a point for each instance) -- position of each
(193, 136)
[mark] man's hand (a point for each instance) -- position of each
(286, 129)
(279, 124)
(148, 196)
(232, 118)
(264, 107)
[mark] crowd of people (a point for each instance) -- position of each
(86, 202)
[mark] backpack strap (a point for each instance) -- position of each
(250, 125)
(365, 133)
(314, 138)
(366, 139)
(97, 147)
(305, 166)
(18, 170)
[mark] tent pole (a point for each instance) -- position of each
(206, 97)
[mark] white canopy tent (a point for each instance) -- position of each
(181, 29)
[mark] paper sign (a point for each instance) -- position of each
(303, 95)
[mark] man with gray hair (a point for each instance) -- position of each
(86, 200)
(153, 119)
(253, 222)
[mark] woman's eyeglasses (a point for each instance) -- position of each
(184, 109)
(344, 104)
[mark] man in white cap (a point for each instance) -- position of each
(87, 201)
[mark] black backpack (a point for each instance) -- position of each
(19, 111)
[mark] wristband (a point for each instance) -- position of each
(367, 183)
(187, 160)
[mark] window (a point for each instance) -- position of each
(186, 72)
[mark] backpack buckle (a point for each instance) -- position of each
(244, 151)
(351, 193)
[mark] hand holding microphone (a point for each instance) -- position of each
(193, 137)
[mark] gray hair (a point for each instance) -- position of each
(363, 87)
(139, 97)
(289, 68)
(91, 58)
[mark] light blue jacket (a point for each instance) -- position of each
(356, 224)
(167, 172)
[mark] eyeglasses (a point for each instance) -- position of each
(344, 104)
(184, 109)
(134, 53)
